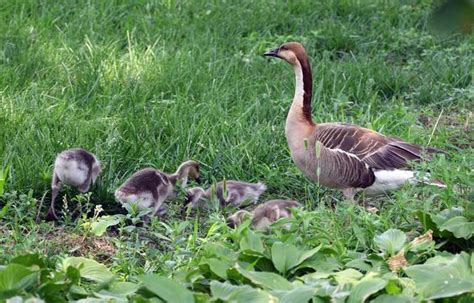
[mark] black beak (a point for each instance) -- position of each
(187, 200)
(230, 223)
(272, 53)
(198, 180)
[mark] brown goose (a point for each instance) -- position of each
(75, 167)
(265, 214)
(150, 187)
(236, 193)
(347, 157)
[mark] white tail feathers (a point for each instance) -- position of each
(387, 180)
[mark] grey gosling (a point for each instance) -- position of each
(265, 214)
(76, 167)
(150, 187)
(235, 193)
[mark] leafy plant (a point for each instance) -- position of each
(454, 224)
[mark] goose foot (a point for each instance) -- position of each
(51, 216)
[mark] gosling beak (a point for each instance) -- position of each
(231, 223)
(188, 199)
(272, 53)
(198, 180)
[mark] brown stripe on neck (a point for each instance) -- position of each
(307, 86)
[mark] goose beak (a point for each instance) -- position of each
(272, 53)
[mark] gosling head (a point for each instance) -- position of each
(291, 52)
(193, 170)
(237, 218)
(194, 195)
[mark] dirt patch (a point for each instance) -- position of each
(101, 249)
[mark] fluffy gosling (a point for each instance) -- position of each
(150, 187)
(235, 193)
(76, 167)
(265, 214)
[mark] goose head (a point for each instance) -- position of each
(291, 52)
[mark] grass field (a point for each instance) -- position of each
(154, 83)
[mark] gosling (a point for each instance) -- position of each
(150, 187)
(76, 167)
(265, 214)
(234, 193)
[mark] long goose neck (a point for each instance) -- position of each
(299, 119)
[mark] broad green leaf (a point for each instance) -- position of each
(347, 276)
(314, 276)
(447, 214)
(359, 264)
(390, 241)
(443, 277)
(108, 296)
(15, 276)
(29, 260)
(239, 294)
(252, 241)
(449, 287)
(459, 226)
(99, 227)
(284, 256)
(93, 300)
(392, 288)
(393, 299)
(322, 263)
(301, 293)
(123, 288)
(308, 254)
(89, 269)
(220, 251)
(167, 289)
(21, 299)
(218, 267)
(365, 288)
(266, 279)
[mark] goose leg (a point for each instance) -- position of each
(349, 193)
(55, 186)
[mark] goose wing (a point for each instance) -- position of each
(370, 147)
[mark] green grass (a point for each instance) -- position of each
(154, 83)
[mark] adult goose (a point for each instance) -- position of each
(339, 155)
